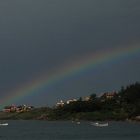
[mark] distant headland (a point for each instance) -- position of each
(121, 105)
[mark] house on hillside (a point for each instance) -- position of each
(60, 104)
(11, 108)
(70, 101)
(108, 96)
(20, 108)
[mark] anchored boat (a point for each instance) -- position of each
(99, 124)
(3, 124)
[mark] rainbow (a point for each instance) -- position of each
(73, 68)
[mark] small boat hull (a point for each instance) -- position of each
(78, 123)
(99, 124)
(3, 124)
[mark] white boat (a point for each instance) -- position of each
(3, 124)
(78, 122)
(99, 124)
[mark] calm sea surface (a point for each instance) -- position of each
(43, 130)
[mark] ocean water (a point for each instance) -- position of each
(66, 130)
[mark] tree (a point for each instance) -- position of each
(93, 97)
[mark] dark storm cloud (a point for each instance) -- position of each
(38, 36)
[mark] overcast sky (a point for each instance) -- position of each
(39, 36)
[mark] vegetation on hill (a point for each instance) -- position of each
(125, 104)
